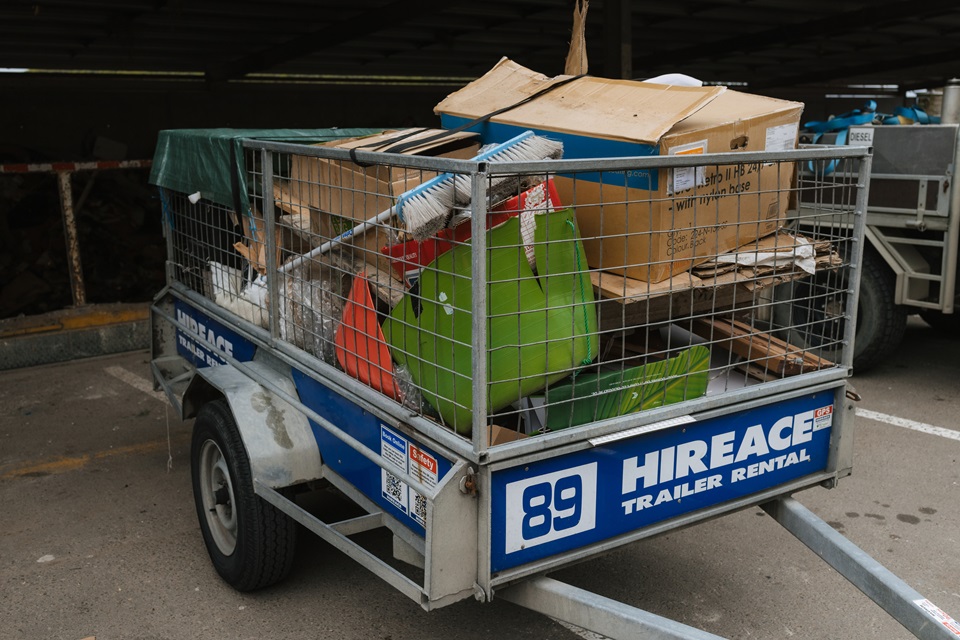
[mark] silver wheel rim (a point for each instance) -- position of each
(216, 491)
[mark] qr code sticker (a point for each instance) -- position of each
(394, 489)
(419, 508)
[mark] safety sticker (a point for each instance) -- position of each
(823, 418)
(393, 450)
(939, 615)
(406, 457)
(423, 467)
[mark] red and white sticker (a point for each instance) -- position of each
(823, 418)
(939, 615)
(423, 466)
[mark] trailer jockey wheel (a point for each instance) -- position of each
(811, 315)
(250, 542)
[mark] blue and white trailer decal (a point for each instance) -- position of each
(227, 341)
(399, 452)
(564, 503)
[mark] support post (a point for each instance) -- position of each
(617, 40)
(72, 241)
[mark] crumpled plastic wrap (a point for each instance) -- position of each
(409, 390)
(231, 290)
(313, 297)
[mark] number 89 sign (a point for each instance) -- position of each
(550, 506)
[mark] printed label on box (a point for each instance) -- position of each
(781, 138)
(689, 177)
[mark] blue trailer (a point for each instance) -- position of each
(498, 397)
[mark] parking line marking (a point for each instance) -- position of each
(135, 381)
(62, 465)
(896, 421)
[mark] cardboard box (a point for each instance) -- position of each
(647, 225)
(342, 194)
(500, 435)
(342, 188)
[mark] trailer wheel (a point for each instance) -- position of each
(250, 542)
(814, 320)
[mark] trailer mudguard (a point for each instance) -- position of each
(279, 441)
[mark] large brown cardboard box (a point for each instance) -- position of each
(647, 224)
(345, 189)
(342, 194)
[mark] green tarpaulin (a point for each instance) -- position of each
(211, 161)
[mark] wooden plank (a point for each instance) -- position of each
(760, 348)
(298, 218)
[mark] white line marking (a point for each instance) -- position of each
(135, 381)
(923, 427)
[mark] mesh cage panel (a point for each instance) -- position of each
(610, 290)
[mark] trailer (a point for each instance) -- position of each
(913, 225)
(500, 396)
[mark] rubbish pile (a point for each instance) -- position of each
(607, 291)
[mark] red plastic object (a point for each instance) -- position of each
(407, 258)
(361, 348)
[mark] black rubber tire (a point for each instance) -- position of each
(264, 538)
(880, 322)
(942, 322)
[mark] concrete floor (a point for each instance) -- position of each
(98, 533)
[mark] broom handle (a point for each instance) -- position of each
(386, 215)
(380, 218)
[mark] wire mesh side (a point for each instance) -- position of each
(712, 281)
(608, 291)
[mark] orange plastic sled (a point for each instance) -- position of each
(361, 348)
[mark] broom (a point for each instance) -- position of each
(426, 209)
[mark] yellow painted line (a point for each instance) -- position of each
(68, 321)
(63, 465)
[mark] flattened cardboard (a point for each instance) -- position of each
(340, 195)
(597, 107)
(635, 225)
(501, 435)
(702, 290)
(359, 193)
(254, 250)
